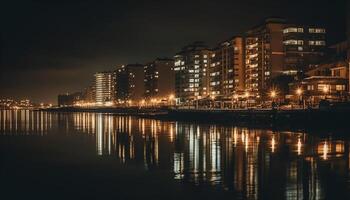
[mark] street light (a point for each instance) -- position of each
(273, 95)
(235, 98)
(300, 97)
(299, 91)
(142, 102)
(325, 91)
(171, 98)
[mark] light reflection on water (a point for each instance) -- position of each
(250, 162)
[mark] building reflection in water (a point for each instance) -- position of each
(250, 162)
(25, 122)
(253, 163)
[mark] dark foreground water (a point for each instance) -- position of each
(97, 156)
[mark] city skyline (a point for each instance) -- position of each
(66, 65)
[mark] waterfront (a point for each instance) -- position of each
(76, 155)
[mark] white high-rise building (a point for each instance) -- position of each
(104, 87)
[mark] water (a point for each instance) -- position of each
(87, 155)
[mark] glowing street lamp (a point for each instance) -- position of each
(142, 102)
(171, 98)
(325, 91)
(247, 96)
(273, 94)
(299, 92)
(235, 100)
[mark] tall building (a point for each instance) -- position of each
(264, 55)
(191, 66)
(227, 71)
(277, 48)
(104, 88)
(130, 83)
(304, 47)
(159, 78)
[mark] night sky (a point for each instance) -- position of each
(52, 48)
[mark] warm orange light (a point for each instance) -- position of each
(325, 89)
(247, 94)
(142, 102)
(299, 91)
(212, 97)
(273, 94)
(171, 97)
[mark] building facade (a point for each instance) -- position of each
(328, 81)
(277, 48)
(304, 47)
(104, 88)
(129, 83)
(227, 68)
(159, 78)
(191, 66)
(264, 55)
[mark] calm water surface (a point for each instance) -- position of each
(87, 155)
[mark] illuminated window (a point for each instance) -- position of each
(340, 87)
(320, 43)
(294, 42)
(317, 42)
(177, 63)
(322, 87)
(317, 30)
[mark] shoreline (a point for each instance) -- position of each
(330, 118)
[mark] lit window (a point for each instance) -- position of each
(317, 30)
(317, 42)
(310, 87)
(340, 87)
(322, 87)
(294, 42)
(177, 63)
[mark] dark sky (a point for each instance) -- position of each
(50, 48)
